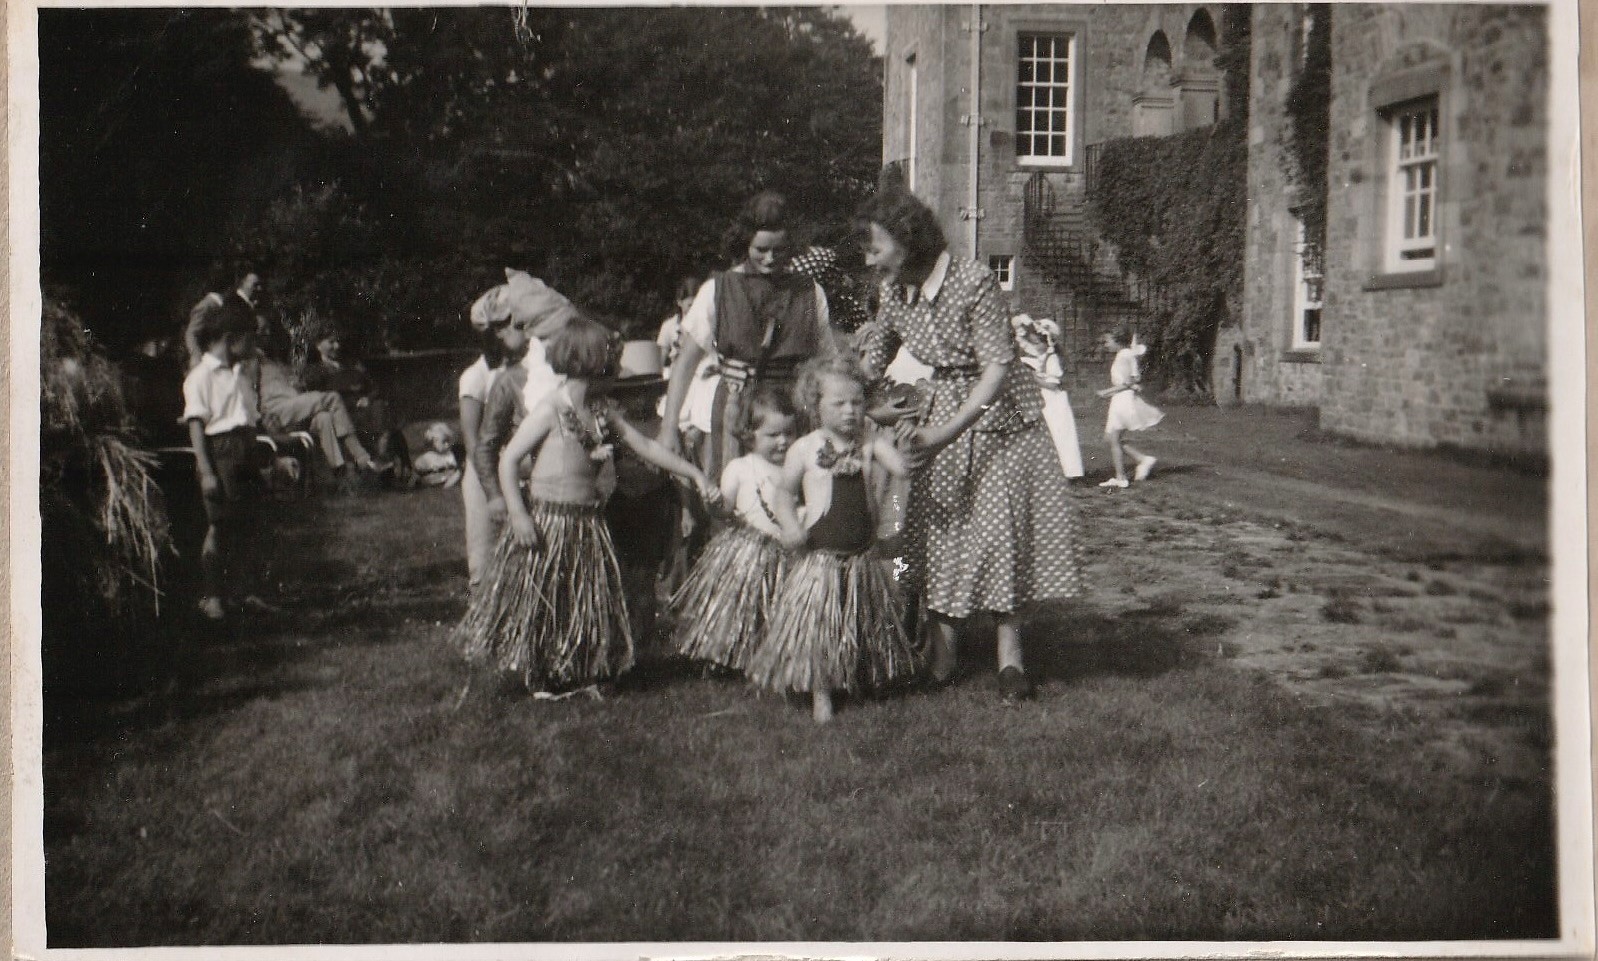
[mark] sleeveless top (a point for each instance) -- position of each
(748, 304)
(846, 527)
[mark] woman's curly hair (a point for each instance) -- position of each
(909, 222)
(767, 210)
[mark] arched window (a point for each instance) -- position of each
(1198, 47)
(1153, 107)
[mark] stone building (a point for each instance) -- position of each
(1429, 326)
(1006, 169)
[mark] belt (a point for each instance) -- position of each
(738, 373)
(956, 370)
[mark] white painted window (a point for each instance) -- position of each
(1003, 268)
(1411, 240)
(1043, 108)
(915, 108)
(1308, 287)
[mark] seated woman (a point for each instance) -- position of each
(331, 371)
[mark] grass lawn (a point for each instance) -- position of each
(1211, 755)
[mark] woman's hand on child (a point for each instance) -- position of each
(710, 492)
(521, 528)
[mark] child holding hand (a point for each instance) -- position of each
(552, 609)
(837, 621)
(721, 609)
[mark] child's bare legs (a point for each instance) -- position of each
(1118, 452)
(821, 705)
(212, 572)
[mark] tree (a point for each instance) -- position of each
(604, 148)
(155, 132)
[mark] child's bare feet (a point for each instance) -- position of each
(211, 607)
(821, 706)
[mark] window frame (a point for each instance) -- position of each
(1392, 92)
(1416, 177)
(1303, 300)
(1071, 86)
(1002, 266)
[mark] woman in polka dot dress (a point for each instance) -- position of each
(991, 526)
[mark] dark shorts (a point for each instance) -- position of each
(235, 460)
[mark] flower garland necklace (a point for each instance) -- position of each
(840, 462)
(594, 439)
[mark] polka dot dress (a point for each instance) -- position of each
(991, 525)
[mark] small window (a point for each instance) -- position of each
(1309, 284)
(1003, 267)
(1043, 109)
(1412, 168)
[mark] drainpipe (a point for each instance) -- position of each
(973, 210)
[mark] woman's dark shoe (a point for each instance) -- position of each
(1014, 685)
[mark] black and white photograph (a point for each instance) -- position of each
(966, 480)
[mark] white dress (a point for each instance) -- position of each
(1057, 413)
(1128, 409)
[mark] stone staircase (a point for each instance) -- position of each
(1090, 294)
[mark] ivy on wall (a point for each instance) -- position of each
(1309, 108)
(1174, 208)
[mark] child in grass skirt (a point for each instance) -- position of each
(720, 610)
(837, 621)
(552, 609)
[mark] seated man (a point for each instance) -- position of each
(331, 372)
(284, 408)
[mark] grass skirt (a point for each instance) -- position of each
(837, 624)
(555, 614)
(720, 610)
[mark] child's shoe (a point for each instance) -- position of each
(1144, 468)
(1119, 483)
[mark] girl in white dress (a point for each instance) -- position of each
(1038, 342)
(1128, 410)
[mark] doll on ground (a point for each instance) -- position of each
(721, 609)
(837, 622)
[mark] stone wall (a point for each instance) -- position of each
(1456, 356)
(1119, 90)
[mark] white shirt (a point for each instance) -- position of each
(541, 378)
(751, 479)
(700, 321)
(477, 379)
(214, 396)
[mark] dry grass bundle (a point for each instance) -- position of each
(96, 486)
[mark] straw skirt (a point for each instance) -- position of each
(720, 610)
(837, 624)
(554, 614)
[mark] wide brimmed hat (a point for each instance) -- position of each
(640, 366)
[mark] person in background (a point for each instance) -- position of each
(476, 382)
(333, 371)
(221, 421)
(670, 335)
(1128, 410)
(244, 291)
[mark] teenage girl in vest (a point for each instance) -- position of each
(837, 621)
(760, 320)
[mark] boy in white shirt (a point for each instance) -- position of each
(221, 417)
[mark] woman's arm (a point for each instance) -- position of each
(471, 422)
(532, 432)
(689, 354)
(889, 457)
(930, 439)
